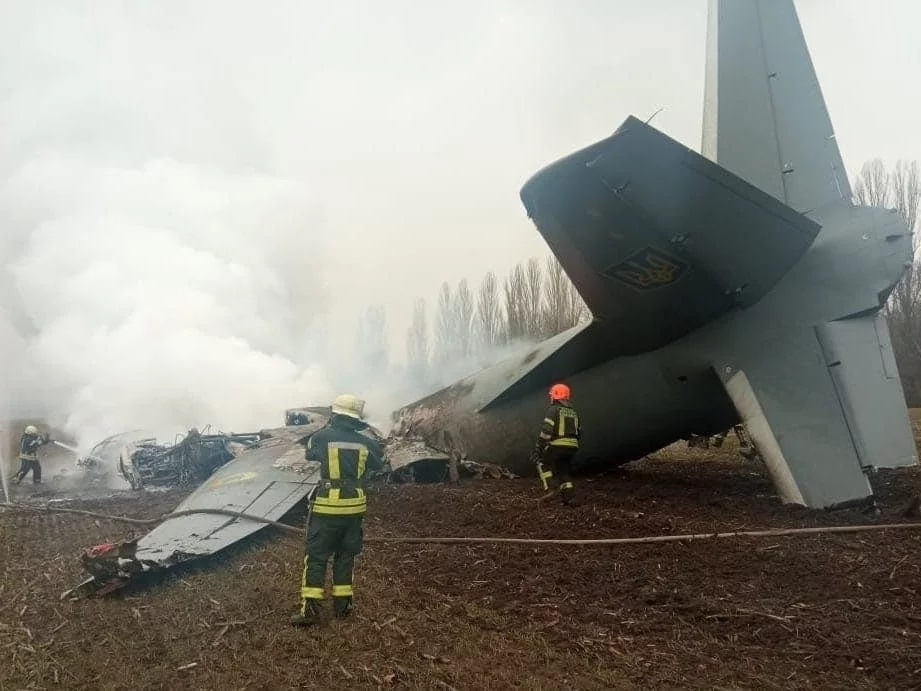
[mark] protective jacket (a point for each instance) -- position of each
(561, 427)
(28, 446)
(345, 456)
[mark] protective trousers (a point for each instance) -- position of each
(339, 537)
(557, 462)
(26, 466)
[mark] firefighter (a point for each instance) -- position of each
(334, 528)
(28, 454)
(558, 442)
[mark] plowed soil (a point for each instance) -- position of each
(788, 612)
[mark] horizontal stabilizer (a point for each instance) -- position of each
(659, 240)
(557, 358)
(786, 396)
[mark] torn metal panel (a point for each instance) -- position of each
(266, 481)
(412, 460)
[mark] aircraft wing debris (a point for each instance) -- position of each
(263, 474)
(266, 480)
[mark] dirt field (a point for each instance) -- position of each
(822, 611)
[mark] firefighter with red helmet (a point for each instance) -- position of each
(558, 442)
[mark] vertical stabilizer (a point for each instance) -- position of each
(764, 115)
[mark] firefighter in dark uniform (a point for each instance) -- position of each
(558, 441)
(335, 525)
(29, 443)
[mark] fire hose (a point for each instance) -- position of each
(299, 532)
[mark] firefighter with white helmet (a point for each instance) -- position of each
(335, 526)
(29, 443)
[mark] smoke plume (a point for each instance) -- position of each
(154, 271)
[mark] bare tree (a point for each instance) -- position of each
(563, 307)
(462, 308)
(371, 346)
(445, 327)
(556, 305)
(531, 307)
(578, 310)
(515, 289)
(873, 186)
(417, 345)
(488, 313)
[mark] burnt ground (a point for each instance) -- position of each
(790, 612)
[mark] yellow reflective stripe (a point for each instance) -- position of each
(330, 501)
(342, 591)
(333, 496)
(362, 461)
(311, 593)
(566, 485)
(547, 474)
(335, 473)
(304, 573)
(566, 441)
(339, 510)
(548, 420)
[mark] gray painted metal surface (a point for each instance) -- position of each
(267, 481)
(713, 301)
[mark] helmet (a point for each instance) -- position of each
(559, 392)
(31, 429)
(347, 404)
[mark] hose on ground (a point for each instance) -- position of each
(299, 532)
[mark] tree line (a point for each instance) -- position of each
(534, 301)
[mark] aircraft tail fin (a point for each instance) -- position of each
(765, 118)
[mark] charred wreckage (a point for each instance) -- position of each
(262, 474)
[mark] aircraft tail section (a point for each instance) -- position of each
(659, 240)
(764, 114)
(822, 405)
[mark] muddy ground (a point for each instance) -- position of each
(791, 612)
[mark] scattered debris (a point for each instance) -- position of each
(188, 462)
(263, 475)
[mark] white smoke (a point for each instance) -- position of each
(166, 295)
(161, 270)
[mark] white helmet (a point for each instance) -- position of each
(347, 404)
(31, 429)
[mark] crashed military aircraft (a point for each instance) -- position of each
(741, 285)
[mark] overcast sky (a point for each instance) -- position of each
(409, 126)
(416, 123)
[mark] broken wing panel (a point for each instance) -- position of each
(657, 239)
(265, 482)
(785, 395)
(764, 114)
(860, 358)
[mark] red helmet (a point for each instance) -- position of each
(559, 392)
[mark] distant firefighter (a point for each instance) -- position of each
(558, 441)
(336, 515)
(29, 443)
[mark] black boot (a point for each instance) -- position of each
(309, 614)
(342, 607)
(568, 495)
